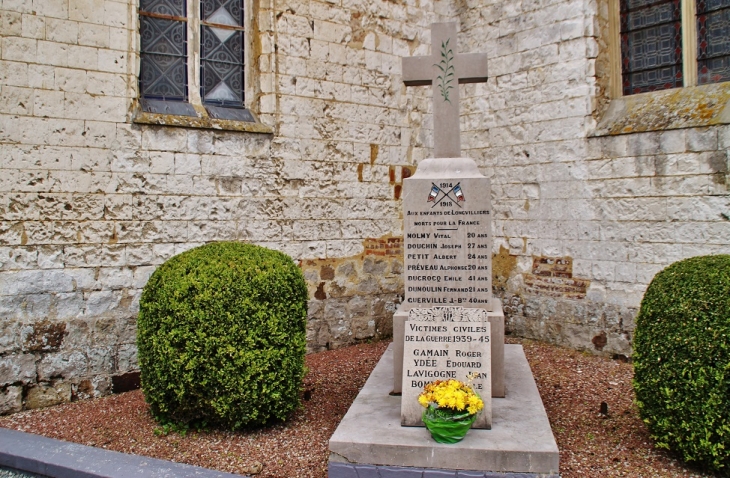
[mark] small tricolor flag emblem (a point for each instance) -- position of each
(459, 193)
(432, 195)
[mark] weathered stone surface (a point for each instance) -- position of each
(46, 395)
(17, 368)
(63, 365)
(43, 336)
(11, 400)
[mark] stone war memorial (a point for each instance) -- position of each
(449, 325)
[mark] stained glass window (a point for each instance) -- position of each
(651, 45)
(713, 41)
(221, 52)
(165, 26)
(163, 34)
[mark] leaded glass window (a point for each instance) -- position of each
(167, 85)
(163, 65)
(713, 41)
(651, 45)
(221, 52)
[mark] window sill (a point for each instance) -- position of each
(201, 122)
(688, 107)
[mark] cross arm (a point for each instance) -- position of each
(472, 67)
(417, 70)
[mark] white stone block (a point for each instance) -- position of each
(64, 365)
(70, 80)
(111, 61)
(15, 258)
(61, 31)
(115, 278)
(102, 303)
(120, 38)
(625, 272)
(19, 49)
(187, 164)
(34, 27)
(51, 8)
(100, 360)
(17, 368)
(91, 11)
(67, 305)
(35, 282)
(116, 13)
(93, 35)
(701, 139)
(164, 139)
(16, 101)
(11, 23)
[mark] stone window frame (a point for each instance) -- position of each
(203, 118)
(689, 106)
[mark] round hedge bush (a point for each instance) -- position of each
(221, 336)
(682, 360)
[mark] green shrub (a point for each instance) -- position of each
(221, 336)
(682, 360)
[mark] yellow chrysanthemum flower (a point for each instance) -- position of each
(451, 394)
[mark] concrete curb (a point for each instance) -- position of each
(61, 459)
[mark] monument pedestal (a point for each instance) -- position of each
(370, 440)
(496, 320)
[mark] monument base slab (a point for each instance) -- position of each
(370, 440)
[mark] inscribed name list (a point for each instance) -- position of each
(448, 243)
(443, 343)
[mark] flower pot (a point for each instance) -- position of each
(446, 425)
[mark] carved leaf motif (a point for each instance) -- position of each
(448, 72)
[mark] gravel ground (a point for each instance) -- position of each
(573, 386)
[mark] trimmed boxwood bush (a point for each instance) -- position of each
(682, 360)
(221, 336)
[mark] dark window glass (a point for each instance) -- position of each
(221, 52)
(163, 52)
(713, 41)
(651, 45)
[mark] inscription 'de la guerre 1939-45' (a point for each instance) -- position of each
(448, 243)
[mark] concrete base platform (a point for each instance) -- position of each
(371, 442)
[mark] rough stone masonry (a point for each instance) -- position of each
(93, 198)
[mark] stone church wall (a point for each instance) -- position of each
(91, 202)
(584, 218)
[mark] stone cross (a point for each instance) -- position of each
(444, 69)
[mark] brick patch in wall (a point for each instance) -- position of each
(387, 246)
(553, 276)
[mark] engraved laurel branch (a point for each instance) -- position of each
(448, 72)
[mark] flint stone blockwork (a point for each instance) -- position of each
(91, 202)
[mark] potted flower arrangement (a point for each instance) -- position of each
(451, 406)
